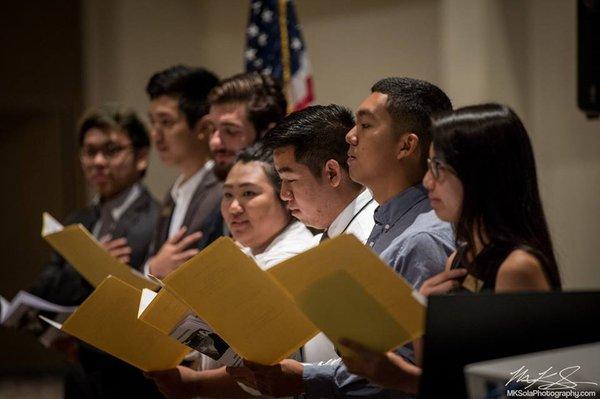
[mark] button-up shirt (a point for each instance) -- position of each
(416, 244)
(356, 218)
(182, 193)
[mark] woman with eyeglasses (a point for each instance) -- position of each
(482, 179)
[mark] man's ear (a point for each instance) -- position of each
(408, 145)
(202, 128)
(332, 172)
(141, 159)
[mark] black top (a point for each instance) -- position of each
(486, 264)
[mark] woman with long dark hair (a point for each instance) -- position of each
(482, 179)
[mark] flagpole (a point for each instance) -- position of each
(285, 51)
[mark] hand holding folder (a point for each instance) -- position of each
(107, 319)
(88, 256)
(341, 287)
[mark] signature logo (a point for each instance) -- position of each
(548, 379)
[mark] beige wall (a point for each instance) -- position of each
(513, 51)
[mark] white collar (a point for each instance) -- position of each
(295, 227)
(341, 222)
(186, 189)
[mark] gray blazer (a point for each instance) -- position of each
(59, 282)
(203, 214)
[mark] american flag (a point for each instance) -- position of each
(275, 47)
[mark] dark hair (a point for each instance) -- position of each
(257, 152)
(488, 147)
(112, 116)
(411, 103)
(190, 86)
(317, 133)
(265, 101)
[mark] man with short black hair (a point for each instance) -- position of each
(191, 217)
(114, 147)
(241, 109)
(310, 155)
(388, 152)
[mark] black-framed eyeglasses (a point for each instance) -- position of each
(109, 151)
(436, 165)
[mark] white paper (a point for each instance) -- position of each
(52, 334)
(195, 333)
(51, 225)
(422, 299)
(4, 304)
(53, 323)
(145, 299)
(24, 301)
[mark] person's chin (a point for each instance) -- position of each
(106, 191)
(441, 212)
(221, 170)
(354, 175)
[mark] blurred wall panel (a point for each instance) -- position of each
(41, 86)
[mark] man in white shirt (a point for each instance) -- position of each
(310, 152)
(190, 218)
(241, 109)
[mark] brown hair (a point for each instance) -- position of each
(265, 101)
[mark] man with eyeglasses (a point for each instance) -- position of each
(114, 147)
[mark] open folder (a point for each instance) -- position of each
(86, 254)
(107, 320)
(340, 287)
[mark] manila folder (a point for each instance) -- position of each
(347, 291)
(244, 305)
(107, 320)
(84, 252)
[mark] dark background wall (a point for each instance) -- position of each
(40, 99)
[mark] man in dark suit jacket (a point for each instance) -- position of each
(114, 155)
(241, 109)
(190, 218)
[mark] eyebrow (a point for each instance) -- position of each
(285, 169)
(241, 185)
(364, 112)
(228, 124)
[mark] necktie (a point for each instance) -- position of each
(107, 223)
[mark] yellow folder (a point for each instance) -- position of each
(341, 287)
(86, 254)
(107, 319)
(347, 291)
(242, 303)
(162, 310)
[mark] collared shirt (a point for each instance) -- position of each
(356, 218)
(182, 193)
(416, 244)
(294, 239)
(116, 206)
